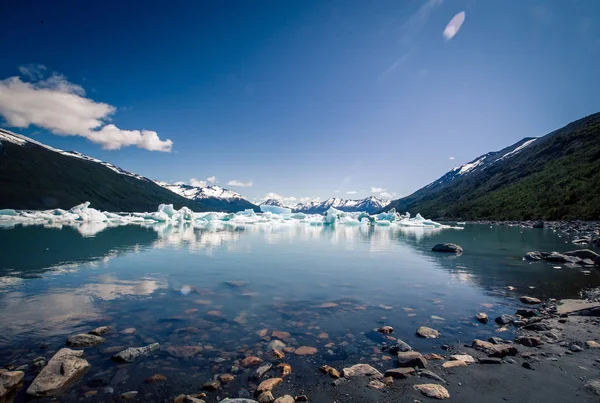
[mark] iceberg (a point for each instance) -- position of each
(275, 209)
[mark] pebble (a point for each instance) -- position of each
(361, 370)
(504, 319)
(84, 340)
(386, 330)
(427, 333)
(250, 361)
(262, 371)
(268, 384)
(266, 397)
(304, 350)
(592, 344)
(326, 369)
(285, 368)
(455, 363)
(226, 378)
(375, 384)
(575, 348)
(530, 300)
(99, 331)
(482, 317)
(156, 378)
(433, 391)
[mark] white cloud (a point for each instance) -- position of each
(235, 182)
(62, 108)
(387, 195)
(211, 179)
(377, 190)
(351, 192)
(272, 196)
(198, 183)
(452, 158)
(454, 26)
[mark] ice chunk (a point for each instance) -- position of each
(8, 211)
(167, 209)
(275, 209)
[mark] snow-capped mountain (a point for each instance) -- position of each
(481, 163)
(369, 205)
(210, 196)
(274, 202)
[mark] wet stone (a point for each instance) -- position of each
(262, 371)
(400, 373)
(529, 341)
(361, 370)
(400, 346)
(285, 369)
(268, 384)
(212, 385)
(129, 395)
(385, 330)
(226, 378)
(9, 380)
(266, 397)
(84, 340)
(285, 399)
(504, 319)
(183, 352)
(433, 391)
(427, 333)
(377, 385)
(250, 361)
(304, 350)
(156, 378)
(133, 353)
(411, 359)
(431, 375)
(482, 317)
(64, 369)
(326, 369)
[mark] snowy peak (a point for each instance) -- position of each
(201, 193)
(370, 204)
(481, 163)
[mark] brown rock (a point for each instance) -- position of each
(304, 350)
(226, 378)
(529, 341)
(375, 384)
(385, 329)
(592, 344)
(463, 357)
(530, 300)
(494, 350)
(266, 397)
(400, 373)
(84, 340)
(281, 335)
(285, 368)
(99, 331)
(427, 333)
(156, 378)
(388, 380)
(183, 351)
(212, 385)
(9, 380)
(268, 384)
(434, 391)
(263, 332)
(452, 364)
(482, 317)
(285, 399)
(361, 370)
(433, 357)
(250, 361)
(411, 359)
(334, 373)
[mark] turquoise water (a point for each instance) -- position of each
(55, 282)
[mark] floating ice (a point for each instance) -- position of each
(89, 221)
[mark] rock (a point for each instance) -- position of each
(533, 256)
(388, 380)
(385, 329)
(582, 254)
(236, 284)
(64, 369)
(9, 380)
(326, 369)
(212, 385)
(504, 319)
(99, 331)
(84, 340)
(592, 344)
(328, 305)
(226, 378)
(496, 340)
(463, 357)
(575, 348)
(482, 317)
(428, 333)
(183, 352)
(400, 346)
(266, 397)
(250, 361)
(588, 262)
(411, 359)
(452, 364)
(526, 313)
(527, 365)
(490, 360)
(400, 373)
(243, 400)
(285, 399)
(285, 368)
(304, 350)
(192, 399)
(361, 370)
(448, 248)
(433, 391)
(556, 257)
(301, 398)
(133, 353)
(530, 300)
(275, 345)
(428, 374)
(537, 327)
(538, 225)
(268, 384)
(433, 357)
(576, 306)
(529, 341)
(38, 362)
(129, 395)
(281, 335)
(377, 385)
(494, 350)
(156, 378)
(593, 386)
(262, 370)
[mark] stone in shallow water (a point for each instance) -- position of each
(262, 371)
(250, 361)
(84, 340)
(400, 373)
(400, 346)
(268, 384)
(530, 300)
(375, 384)
(411, 359)
(361, 370)
(434, 391)
(129, 395)
(463, 357)
(326, 369)
(385, 329)
(212, 385)
(266, 397)
(455, 363)
(133, 353)
(529, 341)
(447, 247)
(285, 399)
(304, 350)
(427, 332)
(504, 319)
(183, 352)
(494, 350)
(99, 331)
(64, 369)
(9, 380)
(482, 317)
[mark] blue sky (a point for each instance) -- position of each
(304, 99)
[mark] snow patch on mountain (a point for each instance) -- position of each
(369, 204)
(199, 193)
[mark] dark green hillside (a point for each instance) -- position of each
(34, 177)
(557, 177)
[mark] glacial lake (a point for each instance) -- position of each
(219, 286)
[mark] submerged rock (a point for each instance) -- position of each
(64, 369)
(482, 317)
(304, 350)
(448, 248)
(183, 352)
(530, 300)
(238, 400)
(428, 333)
(582, 254)
(99, 331)
(250, 361)
(268, 384)
(504, 319)
(433, 390)
(266, 397)
(400, 346)
(262, 371)
(533, 256)
(9, 380)
(361, 370)
(84, 340)
(529, 341)
(385, 330)
(133, 353)
(285, 369)
(411, 359)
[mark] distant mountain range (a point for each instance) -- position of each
(214, 197)
(370, 205)
(35, 176)
(556, 176)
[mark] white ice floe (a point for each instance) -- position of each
(89, 221)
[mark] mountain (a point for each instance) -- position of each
(274, 202)
(35, 176)
(553, 177)
(370, 205)
(214, 197)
